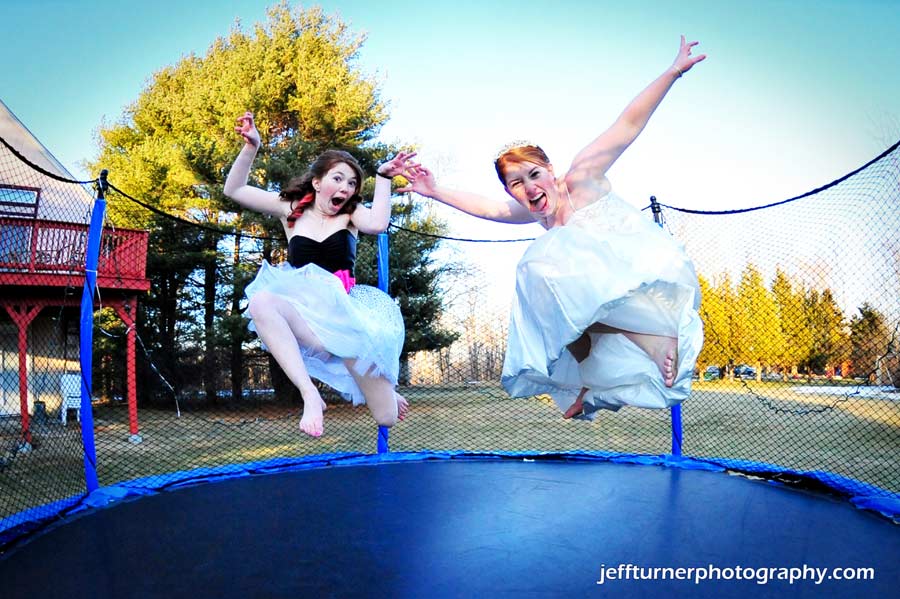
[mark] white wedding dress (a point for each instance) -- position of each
(609, 264)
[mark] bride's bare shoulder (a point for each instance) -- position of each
(586, 191)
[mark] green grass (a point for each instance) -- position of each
(768, 422)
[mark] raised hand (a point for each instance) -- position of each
(398, 165)
(246, 128)
(421, 181)
(684, 61)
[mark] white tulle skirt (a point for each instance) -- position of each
(364, 324)
(609, 264)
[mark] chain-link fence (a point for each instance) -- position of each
(798, 375)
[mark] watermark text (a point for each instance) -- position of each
(759, 575)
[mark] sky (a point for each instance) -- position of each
(793, 94)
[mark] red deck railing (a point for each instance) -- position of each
(50, 253)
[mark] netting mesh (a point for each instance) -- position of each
(43, 227)
(799, 369)
(802, 308)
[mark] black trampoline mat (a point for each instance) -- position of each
(457, 528)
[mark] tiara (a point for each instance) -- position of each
(516, 143)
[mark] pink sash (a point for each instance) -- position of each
(346, 279)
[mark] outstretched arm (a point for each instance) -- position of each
(593, 161)
(422, 182)
(236, 188)
(377, 218)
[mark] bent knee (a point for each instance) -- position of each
(263, 304)
(387, 420)
(386, 416)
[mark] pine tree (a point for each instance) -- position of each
(870, 340)
(797, 335)
(761, 339)
(174, 145)
(716, 327)
(830, 334)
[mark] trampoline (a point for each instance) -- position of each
(404, 525)
(470, 524)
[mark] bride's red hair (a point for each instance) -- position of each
(518, 155)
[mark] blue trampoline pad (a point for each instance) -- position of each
(466, 528)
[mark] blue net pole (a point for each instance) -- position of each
(384, 433)
(384, 438)
(86, 333)
(675, 410)
(383, 262)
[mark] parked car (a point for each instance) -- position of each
(742, 371)
(712, 373)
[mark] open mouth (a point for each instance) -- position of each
(337, 201)
(538, 203)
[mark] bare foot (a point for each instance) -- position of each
(311, 422)
(402, 406)
(578, 407)
(665, 355)
(661, 349)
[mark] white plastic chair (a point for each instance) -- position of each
(70, 385)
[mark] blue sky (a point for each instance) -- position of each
(793, 95)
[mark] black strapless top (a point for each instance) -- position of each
(335, 252)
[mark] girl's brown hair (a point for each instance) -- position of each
(300, 189)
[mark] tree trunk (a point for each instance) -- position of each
(168, 316)
(210, 371)
(237, 355)
(404, 370)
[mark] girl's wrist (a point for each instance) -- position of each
(383, 176)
